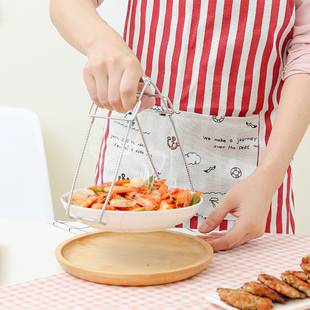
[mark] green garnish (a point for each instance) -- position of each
(195, 199)
(150, 181)
(99, 190)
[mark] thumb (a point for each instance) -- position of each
(147, 102)
(148, 98)
(215, 218)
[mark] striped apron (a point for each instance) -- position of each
(220, 63)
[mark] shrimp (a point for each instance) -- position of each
(170, 197)
(97, 206)
(122, 182)
(138, 209)
(135, 195)
(100, 186)
(158, 183)
(122, 202)
(121, 189)
(165, 206)
(79, 197)
(86, 202)
(149, 202)
(184, 198)
(160, 191)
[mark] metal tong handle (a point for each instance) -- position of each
(92, 113)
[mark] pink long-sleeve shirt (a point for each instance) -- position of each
(298, 58)
(298, 53)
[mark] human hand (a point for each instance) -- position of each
(249, 201)
(112, 73)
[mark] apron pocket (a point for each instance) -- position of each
(219, 151)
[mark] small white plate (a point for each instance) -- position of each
(292, 304)
(130, 221)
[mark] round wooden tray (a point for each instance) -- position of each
(134, 259)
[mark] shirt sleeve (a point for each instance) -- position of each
(298, 57)
(97, 2)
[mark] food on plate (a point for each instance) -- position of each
(260, 289)
(305, 267)
(243, 300)
(305, 263)
(136, 195)
(306, 259)
(293, 284)
(302, 275)
(280, 286)
(296, 282)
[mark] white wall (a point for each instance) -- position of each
(302, 185)
(41, 72)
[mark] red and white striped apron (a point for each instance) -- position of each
(220, 63)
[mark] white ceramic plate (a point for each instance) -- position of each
(292, 304)
(130, 221)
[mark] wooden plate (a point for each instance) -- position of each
(134, 259)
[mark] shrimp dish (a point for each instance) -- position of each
(136, 195)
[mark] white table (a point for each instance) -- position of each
(27, 250)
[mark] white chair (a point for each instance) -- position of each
(24, 183)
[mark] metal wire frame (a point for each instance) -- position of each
(129, 118)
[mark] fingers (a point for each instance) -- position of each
(241, 232)
(129, 87)
(102, 91)
(91, 88)
(215, 218)
(147, 101)
(249, 224)
(236, 236)
(113, 93)
(102, 88)
(115, 90)
(222, 241)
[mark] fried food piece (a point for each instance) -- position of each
(305, 263)
(305, 267)
(260, 289)
(306, 259)
(280, 286)
(296, 282)
(305, 276)
(243, 300)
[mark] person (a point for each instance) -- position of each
(237, 73)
